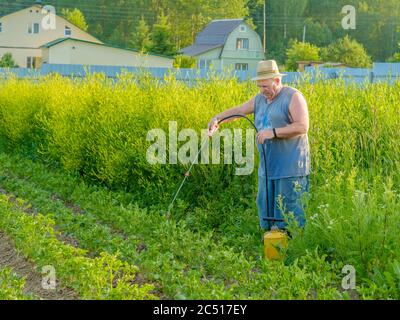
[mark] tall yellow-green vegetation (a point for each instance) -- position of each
(97, 128)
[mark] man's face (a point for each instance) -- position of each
(268, 87)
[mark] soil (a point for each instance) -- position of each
(21, 266)
(9, 257)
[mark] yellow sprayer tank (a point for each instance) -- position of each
(274, 241)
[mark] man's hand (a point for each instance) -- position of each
(263, 135)
(213, 126)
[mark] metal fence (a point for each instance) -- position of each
(380, 72)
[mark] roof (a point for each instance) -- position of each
(16, 7)
(54, 42)
(196, 49)
(333, 64)
(214, 35)
(60, 40)
(217, 32)
(308, 61)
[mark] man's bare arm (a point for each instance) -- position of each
(300, 120)
(244, 109)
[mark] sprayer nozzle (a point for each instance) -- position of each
(212, 131)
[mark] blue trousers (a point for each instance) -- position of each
(285, 192)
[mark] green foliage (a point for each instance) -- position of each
(318, 33)
(141, 37)
(76, 17)
(371, 34)
(186, 264)
(283, 14)
(114, 22)
(347, 51)
(161, 37)
(395, 57)
(300, 51)
(104, 277)
(285, 24)
(74, 123)
(278, 53)
(190, 17)
(182, 61)
(12, 286)
(97, 131)
(7, 61)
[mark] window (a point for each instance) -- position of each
(29, 62)
(33, 62)
(67, 31)
(241, 66)
(242, 28)
(36, 28)
(242, 44)
(204, 64)
(33, 28)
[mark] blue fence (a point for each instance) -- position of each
(381, 72)
(187, 75)
(80, 71)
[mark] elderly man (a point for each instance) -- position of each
(281, 118)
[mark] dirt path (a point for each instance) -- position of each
(9, 257)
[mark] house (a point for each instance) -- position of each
(302, 65)
(22, 34)
(25, 35)
(77, 51)
(227, 43)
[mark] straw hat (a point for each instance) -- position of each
(267, 70)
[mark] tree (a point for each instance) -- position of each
(76, 17)
(318, 33)
(7, 61)
(300, 51)
(323, 19)
(160, 37)
(190, 17)
(121, 35)
(395, 57)
(284, 22)
(141, 38)
(114, 21)
(347, 51)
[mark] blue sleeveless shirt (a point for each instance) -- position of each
(286, 158)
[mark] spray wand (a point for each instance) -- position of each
(210, 133)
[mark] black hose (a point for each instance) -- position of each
(269, 217)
